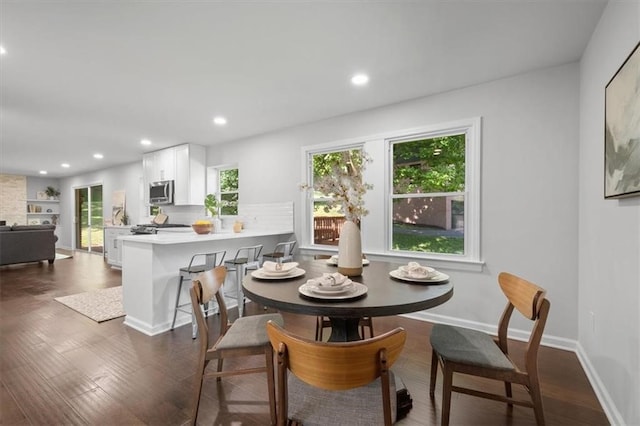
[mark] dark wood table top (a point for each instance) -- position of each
(385, 295)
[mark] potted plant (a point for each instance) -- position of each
(51, 192)
(212, 204)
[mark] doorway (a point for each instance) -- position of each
(89, 219)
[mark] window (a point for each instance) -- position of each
(327, 216)
(228, 191)
(433, 194)
(424, 197)
(428, 195)
(223, 182)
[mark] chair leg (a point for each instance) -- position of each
(220, 362)
(447, 381)
(198, 392)
(194, 326)
(508, 392)
(318, 329)
(271, 385)
(240, 271)
(434, 373)
(175, 310)
(536, 398)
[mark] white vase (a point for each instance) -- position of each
(350, 250)
(217, 224)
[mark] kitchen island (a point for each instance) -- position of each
(150, 270)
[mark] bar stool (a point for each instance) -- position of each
(283, 252)
(324, 322)
(199, 263)
(246, 258)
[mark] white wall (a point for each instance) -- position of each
(127, 177)
(609, 231)
(529, 182)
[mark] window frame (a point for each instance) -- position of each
(214, 183)
(378, 146)
(471, 128)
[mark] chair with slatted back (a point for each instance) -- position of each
(247, 336)
(246, 258)
(282, 252)
(199, 263)
(324, 322)
(461, 350)
(336, 383)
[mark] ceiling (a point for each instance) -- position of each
(93, 76)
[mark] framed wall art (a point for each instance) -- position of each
(622, 130)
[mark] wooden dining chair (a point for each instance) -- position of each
(336, 383)
(246, 336)
(461, 350)
(324, 322)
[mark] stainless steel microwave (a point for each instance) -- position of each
(161, 192)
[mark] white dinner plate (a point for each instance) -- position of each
(334, 261)
(346, 286)
(354, 291)
(438, 278)
(259, 274)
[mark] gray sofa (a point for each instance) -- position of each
(27, 243)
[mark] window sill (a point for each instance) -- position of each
(439, 263)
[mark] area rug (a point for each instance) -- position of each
(99, 305)
(60, 256)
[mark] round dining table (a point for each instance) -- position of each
(384, 295)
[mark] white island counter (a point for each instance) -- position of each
(150, 270)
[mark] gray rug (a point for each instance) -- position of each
(99, 305)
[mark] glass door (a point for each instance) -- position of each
(89, 219)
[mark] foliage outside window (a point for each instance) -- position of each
(228, 191)
(338, 191)
(428, 194)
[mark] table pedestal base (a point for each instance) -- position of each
(344, 330)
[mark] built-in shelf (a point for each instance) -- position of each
(37, 211)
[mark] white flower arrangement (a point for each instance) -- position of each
(344, 185)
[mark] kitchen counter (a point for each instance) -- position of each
(188, 235)
(151, 263)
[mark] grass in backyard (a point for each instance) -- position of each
(428, 243)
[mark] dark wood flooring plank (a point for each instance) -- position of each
(41, 403)
(10, 412)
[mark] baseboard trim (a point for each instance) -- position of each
(610, 410)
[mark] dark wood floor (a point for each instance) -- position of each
(60, 368)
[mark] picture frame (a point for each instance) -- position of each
(622, 130)
(41, 195)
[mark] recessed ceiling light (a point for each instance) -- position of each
(360, 79)
(145, 142)
(98, 156)
(65, 165)
(219, 120)
(3, 51)
(43, 172)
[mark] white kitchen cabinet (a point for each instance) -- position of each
(112, 246)
(159, 165)
(185, 165)
(189, 185)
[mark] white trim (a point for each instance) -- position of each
(471, 127)
(604, 398)
(402, 258)
(472, 130)
(609, 407)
